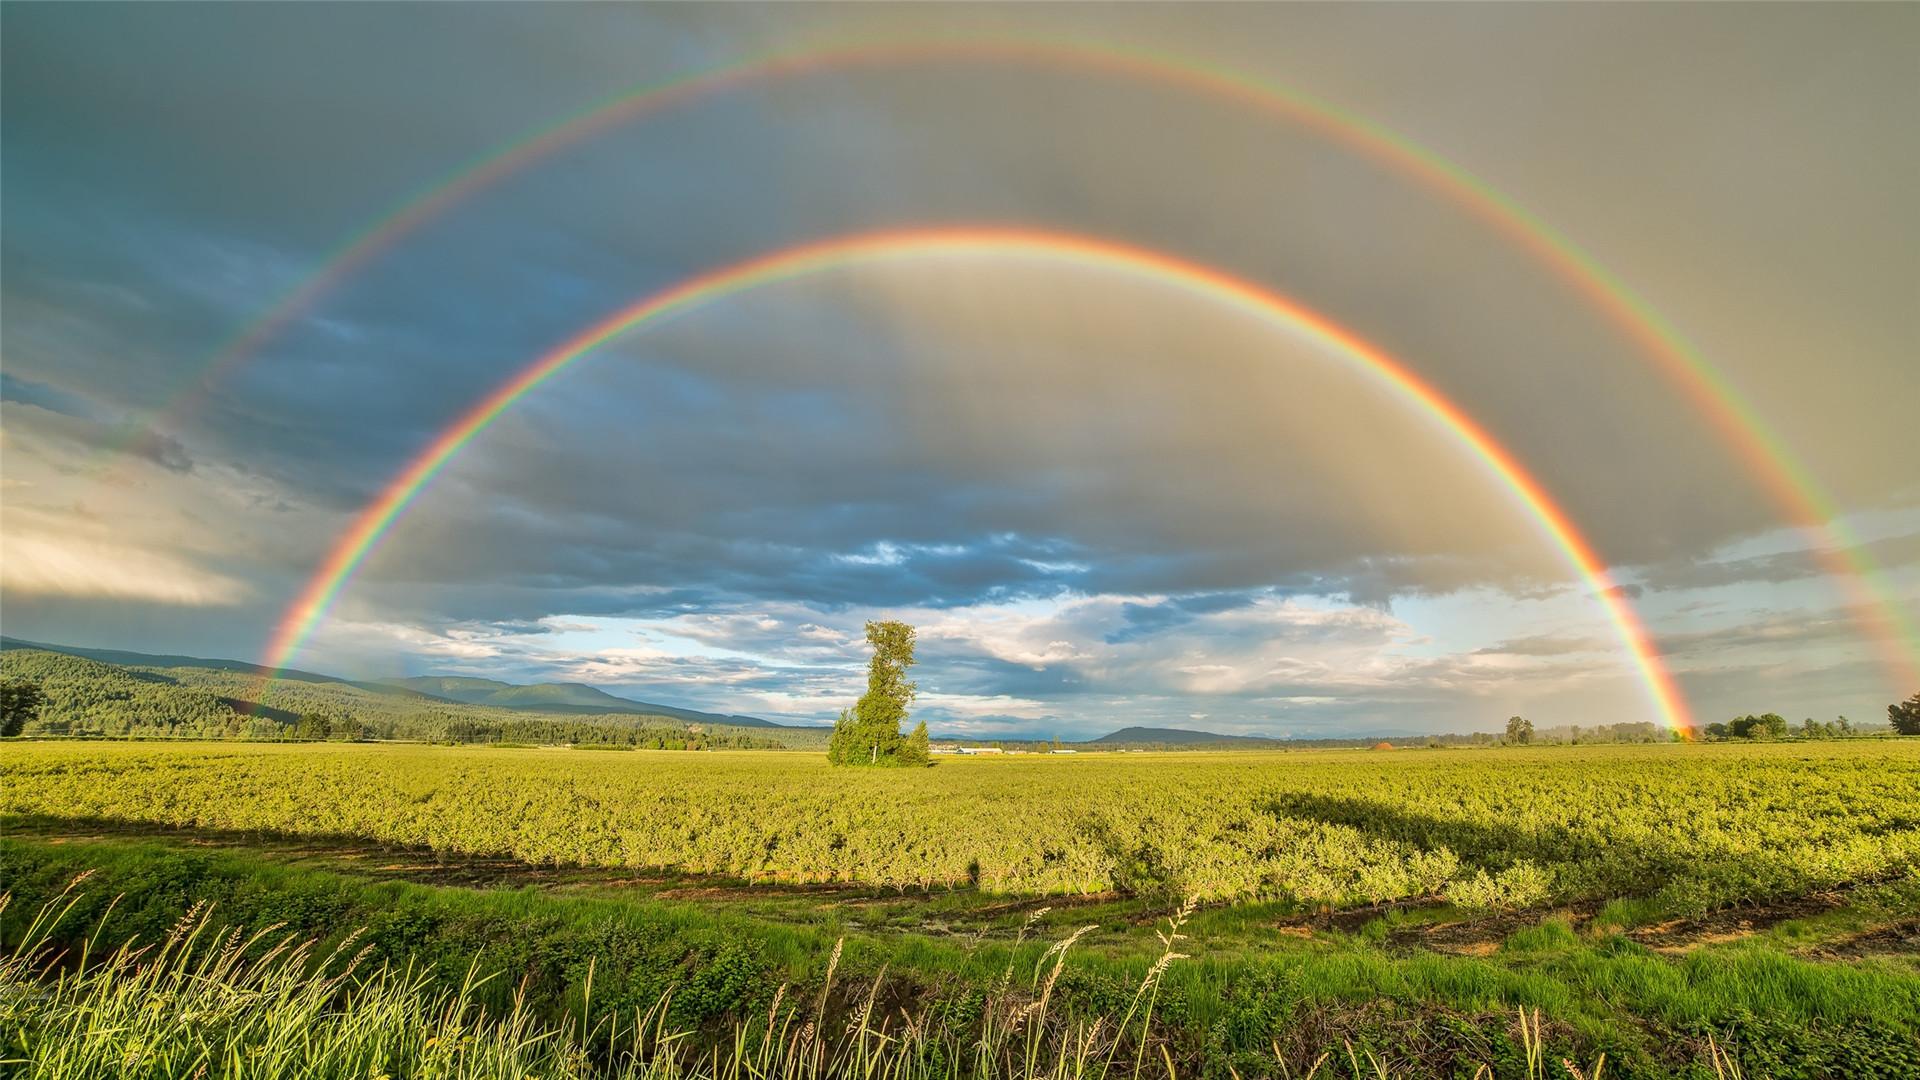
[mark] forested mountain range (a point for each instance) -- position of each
(112, 693)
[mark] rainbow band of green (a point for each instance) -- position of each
(375, 522)
(1785, 479)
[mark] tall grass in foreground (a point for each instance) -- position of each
(218, 1003)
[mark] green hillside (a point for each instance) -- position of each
(88, 697)
(559, 699)
(471, 690)
(574, 694)
(122, 658)
(229, 700)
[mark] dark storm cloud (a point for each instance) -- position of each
(1785, 633)
(40, 395)
(1794, 690)
(1890, 552)
(432, 339)
(1145, 620)
(163, 450)
(90, 436)
(962, 671)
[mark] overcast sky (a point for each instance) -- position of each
(1101, 500)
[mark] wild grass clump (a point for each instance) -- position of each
(211, 1001)
(207, 1001)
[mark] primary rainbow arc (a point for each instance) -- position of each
(377, 519)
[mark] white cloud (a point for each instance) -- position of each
(66, 564)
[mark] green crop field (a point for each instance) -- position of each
(1676, 909)
(1700, 826)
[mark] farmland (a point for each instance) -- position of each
(1656, 904)
(1700, 827)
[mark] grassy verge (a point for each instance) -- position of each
(1244, 990)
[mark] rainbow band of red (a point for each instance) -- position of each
(1788, 483)
(378, 518)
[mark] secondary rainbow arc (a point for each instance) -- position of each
(1786, 480)
(374, 522)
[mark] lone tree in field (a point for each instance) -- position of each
(20, 701)
(869, 733)
(1905, 717)
(1519, 730)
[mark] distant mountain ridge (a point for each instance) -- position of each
(135, 659)
(465, 690)
(558, 697)
(1176, 737)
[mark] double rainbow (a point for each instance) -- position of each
(378, 518)
(1787, 481)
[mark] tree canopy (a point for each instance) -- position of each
(1905, 716)
(1764, 726)
(869, 733)
(20, 701)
